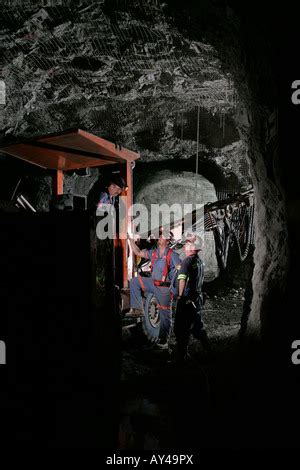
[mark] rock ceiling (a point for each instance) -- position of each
(120, 69)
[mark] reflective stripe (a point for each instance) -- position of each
(153, 258)
(167, 265)
(141, 282)
(161, 284)
(162, 307)
(167, 259)
(182, 276)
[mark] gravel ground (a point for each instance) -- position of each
(149, 375)
(222, 313)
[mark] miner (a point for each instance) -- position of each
(163, 268)
(188, 316)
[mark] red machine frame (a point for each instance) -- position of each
(73, 150)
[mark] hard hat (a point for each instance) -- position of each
(118, 181)
(194, 239)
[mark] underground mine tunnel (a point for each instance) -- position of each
(191, 90)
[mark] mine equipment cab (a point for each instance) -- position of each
(77, 150)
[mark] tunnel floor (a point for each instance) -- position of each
(162, 402)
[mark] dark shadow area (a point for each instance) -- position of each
(236, 401)
(59, 387)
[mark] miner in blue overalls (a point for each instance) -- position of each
(163, 267)
(109, 196)
(188, 293)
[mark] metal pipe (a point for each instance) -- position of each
(27, 203)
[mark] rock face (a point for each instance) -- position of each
(178, 82)
(122, 70)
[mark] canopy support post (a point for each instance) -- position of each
(57, 183)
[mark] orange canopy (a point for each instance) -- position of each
(70, 150)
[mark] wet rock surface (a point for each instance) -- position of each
(123, 70)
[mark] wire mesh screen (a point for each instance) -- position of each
(239, 214)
